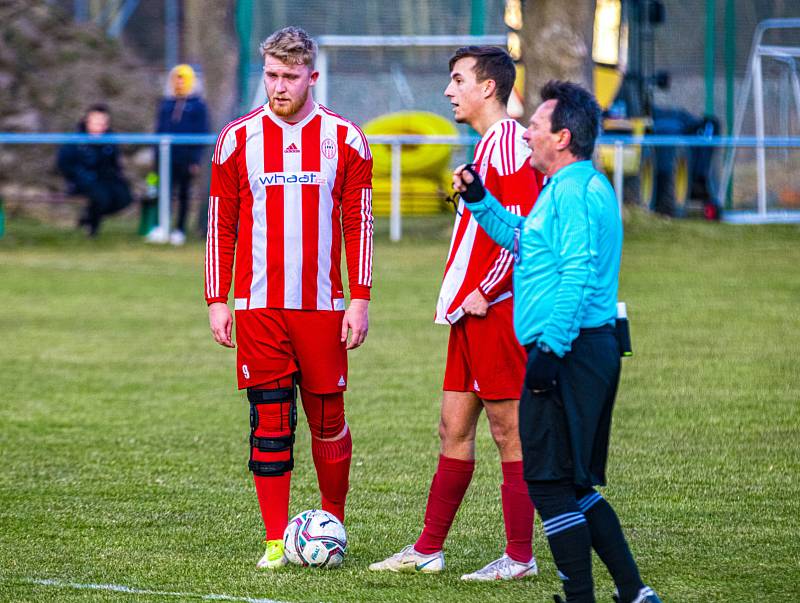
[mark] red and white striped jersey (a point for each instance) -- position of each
(474, 260)
(282, 196)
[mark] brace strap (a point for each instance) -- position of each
(271, 469)
(270, 396)
(272, 444)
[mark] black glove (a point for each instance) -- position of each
(542, 370)
(475, 190)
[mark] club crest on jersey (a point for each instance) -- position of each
(328, 148)
(281, 178)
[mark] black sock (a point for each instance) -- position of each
(568, 536)
(572, 553)
(609, 542)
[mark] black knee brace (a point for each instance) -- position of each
(257, 397)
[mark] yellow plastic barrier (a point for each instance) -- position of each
(424, 167)
(416, 160)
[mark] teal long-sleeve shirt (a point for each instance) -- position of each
(567, 254)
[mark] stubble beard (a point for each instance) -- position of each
(293, 107)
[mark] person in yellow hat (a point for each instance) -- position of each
(181, 111)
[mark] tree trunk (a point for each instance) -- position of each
(209, 40)
(556, 41)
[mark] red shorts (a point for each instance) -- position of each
(484, 356)
(273, 343)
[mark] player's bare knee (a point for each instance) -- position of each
(273, 419)
(503, 420)
(454, 433)
(504, 434)
(501, 437)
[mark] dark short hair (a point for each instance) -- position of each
(491, 63)
(577, 111)
(98, 108)
(95, 108)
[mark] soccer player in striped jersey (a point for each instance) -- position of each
(485, 364)
(289, 181)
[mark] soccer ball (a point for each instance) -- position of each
(315, 539)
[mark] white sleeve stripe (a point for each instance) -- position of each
(216, 149)
(492, 276)
(212, 261)
(371, 240)
(501, 264)
(361, 242)
(215, 251)
(498, 148)
(370, 230)
(512, 143)
(212, 211)
(216, 245)
(502, 148)
(365, 243)
(508, 149)
(506, 139)
(208, 239)
(488, 280)
(512, 150)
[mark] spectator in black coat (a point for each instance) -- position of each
(94, 170)
(182, 111)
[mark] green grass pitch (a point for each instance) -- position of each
(123, 440)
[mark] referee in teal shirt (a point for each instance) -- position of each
(567, 254)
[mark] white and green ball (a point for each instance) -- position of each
(315, 538)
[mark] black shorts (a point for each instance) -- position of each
(565, 432)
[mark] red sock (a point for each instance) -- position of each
(448, 487)
(273, 499)
(332, 460)
(517, 513)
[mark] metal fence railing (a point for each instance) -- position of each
(165, 142)
(162, 141)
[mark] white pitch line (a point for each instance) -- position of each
(119, 588)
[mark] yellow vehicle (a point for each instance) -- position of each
(625, 78)
(624, 88)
